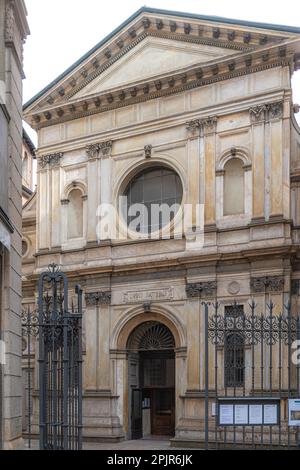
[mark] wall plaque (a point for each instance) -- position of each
(154, 295)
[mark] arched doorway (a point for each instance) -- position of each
(151, 380)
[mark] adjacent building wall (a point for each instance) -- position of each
(13, 31)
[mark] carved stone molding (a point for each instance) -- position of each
(148, 151)
(258, 113)
(234, 288)
(202, 289)
(208, 125)
(98, 298)
(9, 22)
(266, 112)
(65, 202)
(267, 284)
(99, 150)
(193, 126)
(52, 160)
(275, 110)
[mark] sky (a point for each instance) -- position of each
(63, 30)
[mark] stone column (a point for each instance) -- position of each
(196, 293)
(55, 185)
(93, 171)
(106, 183)
(265, 289)
(97, 371)
(193, 142)
(209, 127)
(257, 117)
(275, 114)
(99, 185)
(181, 382)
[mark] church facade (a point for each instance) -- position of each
(179, 109)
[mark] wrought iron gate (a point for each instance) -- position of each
(251, 377)
(52, 343)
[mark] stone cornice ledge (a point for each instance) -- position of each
(150, 89)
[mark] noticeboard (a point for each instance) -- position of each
(248, 412)
(294, 412)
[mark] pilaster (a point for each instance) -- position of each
(257, 117)
(209, 128)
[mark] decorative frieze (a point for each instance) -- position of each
(267, 284)
(98, 298)
(52, 160)
(202, 289)
(99, 150)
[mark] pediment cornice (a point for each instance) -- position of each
(189, 79)
(59, 102)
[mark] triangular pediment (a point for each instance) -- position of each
(154, 50)
(150, 59)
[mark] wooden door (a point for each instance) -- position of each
(163, 412)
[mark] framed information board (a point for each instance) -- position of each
(294, 412)
(248, 412)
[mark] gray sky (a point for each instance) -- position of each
(64, 30)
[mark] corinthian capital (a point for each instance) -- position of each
(193, 126)
(275, 110)
(258, 113)
(99, 150)
(52, 160)
(209, 124)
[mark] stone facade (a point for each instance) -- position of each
(192, 95)
(13, 32)
(28, 168)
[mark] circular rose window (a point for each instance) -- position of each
(153, 197)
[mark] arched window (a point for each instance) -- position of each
(234, 187)
(75, 214)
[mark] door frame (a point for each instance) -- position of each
(140, 387)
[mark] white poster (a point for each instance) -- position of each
(294, 412)
(241, 414)
(226, 414)
(270, 414)
(255, 414)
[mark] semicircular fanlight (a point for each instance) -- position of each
(151, 336)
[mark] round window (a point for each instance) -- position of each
(153, 197)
